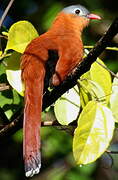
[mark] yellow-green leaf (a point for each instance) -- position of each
(20, 35)
(84, 96)
(13, 72)
(67, 107)
(96, 91)
(93, 133)
(85, 76)
(0, 53)
(5, 33)
(83, 88)
(114, 98)
(100, 75)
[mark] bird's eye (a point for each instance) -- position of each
(77, 11)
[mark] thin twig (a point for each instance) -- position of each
(112, 152)
(6, 12)
(2, 36)
(4, 16)
(4, 86)
(12, 127)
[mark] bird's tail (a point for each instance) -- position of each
(33, 72)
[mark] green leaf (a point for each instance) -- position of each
(49, 15)
(114, 98)
(102, 77)
(5, 96)
(93, 133)
(83, 89)
(18, 136)
(96, 91)
(90, 90)
(68, 106)
(13, 72)
(20, 35)
(5, 103)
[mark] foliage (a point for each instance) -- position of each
(114, 98)
(68, 101)
(93, 133)
(92, 102)
(16, 41)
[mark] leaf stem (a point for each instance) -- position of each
(107, 48)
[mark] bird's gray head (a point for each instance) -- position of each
(80, 10)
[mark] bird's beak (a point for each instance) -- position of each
(93, 16)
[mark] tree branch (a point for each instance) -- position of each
(50, 97)
(4, 16)
(4, 87)
(16, 124)
(6, 12)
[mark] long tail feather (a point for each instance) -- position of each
(33, 73)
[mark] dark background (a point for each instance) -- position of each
(57, 159)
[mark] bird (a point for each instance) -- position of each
(65, 38)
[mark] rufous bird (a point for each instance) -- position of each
(64, 37)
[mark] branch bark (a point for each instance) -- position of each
(50, 97)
